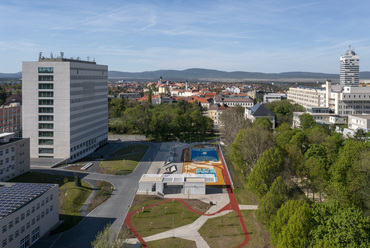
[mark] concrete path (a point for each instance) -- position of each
(248, 207)
(189, 232)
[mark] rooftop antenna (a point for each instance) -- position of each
(78, 58)
(88, 58)
(40, 55)
(94, 59)
(51, 55)
(62, 54)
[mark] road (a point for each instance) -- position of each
(112, 211)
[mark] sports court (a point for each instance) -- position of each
(204, 160)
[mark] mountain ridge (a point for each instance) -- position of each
(211, 74)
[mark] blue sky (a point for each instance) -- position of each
(257, 36)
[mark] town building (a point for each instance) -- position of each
(14, 156)
(356, 122)
(11, 118)
(214, 112)
(270, 97)
(28, 211)
(65, 107)
(349, 68)
(259, 111)
(244, 102)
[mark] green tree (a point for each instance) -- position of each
(272, 201)
(307, 121)
(105, 239)
(249, 145)
(267, 169)
(291, 226)
(340, 226)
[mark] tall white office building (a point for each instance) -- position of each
(65, 107)
(349, 68)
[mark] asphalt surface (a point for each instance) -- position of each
(112, 211)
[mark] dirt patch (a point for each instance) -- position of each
(125, 232)
(198, 205)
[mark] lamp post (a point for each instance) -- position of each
(173, 227)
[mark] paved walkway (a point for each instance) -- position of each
(248, 207)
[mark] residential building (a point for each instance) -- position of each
(28, 211)
(245, 102)
(14, 156)
(349, 68)
(65, 107)
(259, 111)
(320, 117)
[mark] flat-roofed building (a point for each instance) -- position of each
(10, 118)
(359, 122)
(14, 156)
(28, 211)
(65, 107)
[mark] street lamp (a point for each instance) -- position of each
(173, 227)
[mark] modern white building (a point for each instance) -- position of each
(14, 156)
(28, 211)
(349, 68)
(65, 107)
(270, 97)
(359, 122)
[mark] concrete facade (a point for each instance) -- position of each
(65, 107)
(359, 122)
(14, 156)
(32, 218)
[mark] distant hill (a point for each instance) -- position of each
(207, 74)
(11, 75)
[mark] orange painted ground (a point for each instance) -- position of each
(191, 168)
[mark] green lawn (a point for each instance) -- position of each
(121, 165)
(162, 218)
(130, 149)
(223, 231)
(256, 231)
(172, 242)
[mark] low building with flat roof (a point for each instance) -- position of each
(28, 211)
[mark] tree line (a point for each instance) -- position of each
(312, 184)
(181, 120)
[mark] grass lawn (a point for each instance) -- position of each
(121, 165)
(172, 242)
(103, 194)
(162, 218)
(71, 198)
(258, 236)
(223, 231)
(130, 149)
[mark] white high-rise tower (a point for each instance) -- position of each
(349, 68)
(65, 107)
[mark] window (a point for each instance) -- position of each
(25, 242)
(47, 211)
(42, 203)
(10, 224)
(42, 214)
(12, 149)
(33, 209)
(16, 233)
(47, 199)
(38, 206)
(28, 213)
(51, 208)
(10, 238)
(4, 242)
(46, 134)
(6, 150)
(46, 125)
(46, 142)
(46, 150)
(37, 217)
(16, 220)
(46, 110)
(4, 229)
(46, 69)
(1, 152)
(46, 102)
(51, 197)
(28, 225)
(35, 235)
(45, 118)
(33, 221)
(23, 229)
(46, 78)
(46, 94)
(22, 216)
(46, 86)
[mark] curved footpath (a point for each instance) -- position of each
(191, 231)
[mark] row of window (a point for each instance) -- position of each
(6, 160)
(46, 102)
(46, 110)
(46, 69)
(46, 86)
(46, 125)
(46, 118)
(46, 142)
(46, 94)
(46, 78)
(46, 134)
(46, 150)
(12, 149)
